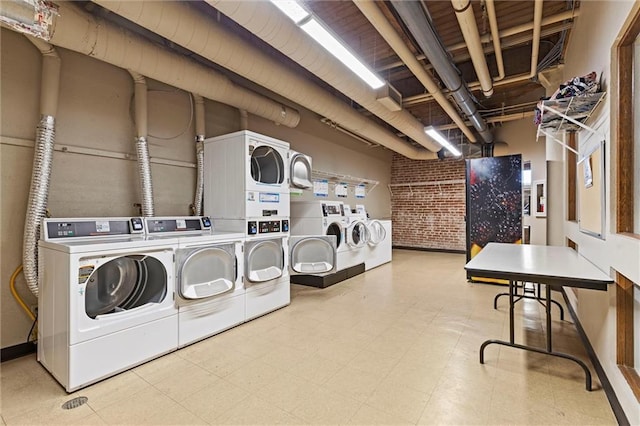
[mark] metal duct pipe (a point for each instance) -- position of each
(190, 29)
(42, 161)
(142, 147)
(495, 37)
(469, 28)
(537, 27)
(81, 32)
(244, 120)
(420, 27)
(371, 11)
(200, 135)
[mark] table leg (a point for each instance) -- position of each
(548, 312)
(511, 309)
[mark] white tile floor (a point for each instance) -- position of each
(396, 345)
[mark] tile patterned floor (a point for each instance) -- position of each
(396, 345)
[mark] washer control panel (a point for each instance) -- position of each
(255, 227)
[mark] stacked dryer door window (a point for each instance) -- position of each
(247, 190)
(106, 299)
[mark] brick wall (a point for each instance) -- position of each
(428, 216)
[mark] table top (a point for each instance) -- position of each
(553, 265)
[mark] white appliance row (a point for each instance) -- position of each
(117, 292)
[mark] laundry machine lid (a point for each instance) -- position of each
(300, 170)
(314, 254)
(207, 271)
(264, 260)
(377, 233)
(357, 234)
(267, 165)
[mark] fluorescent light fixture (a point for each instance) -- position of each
(327, 40)
(437, 136)
(292, 9)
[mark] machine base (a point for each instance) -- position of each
(324, 281)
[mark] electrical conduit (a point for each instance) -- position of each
(42, 161)
(142, 147)
(198, 102)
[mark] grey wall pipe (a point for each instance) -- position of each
(415, 19)
(81, 32)
(188, 28)
(142, 147)
(198, 102)
(42, 161)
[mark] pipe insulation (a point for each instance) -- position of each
(187, 27)
(200, 136)
(495, 38)
(469, 28)
(535, 46)
(42, 162)
(244, 120)
(81, 32)
(371, 11)
(414, 17)
(142, 147)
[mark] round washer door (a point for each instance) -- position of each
(208, 272)
(267, 165)
(357, 234)
(125, 283)
(300, 171)
(377, 233)
(264, 260)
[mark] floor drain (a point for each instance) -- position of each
(74, 403)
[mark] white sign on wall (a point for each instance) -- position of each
(321, 188)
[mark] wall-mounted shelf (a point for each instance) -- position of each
(348, 179)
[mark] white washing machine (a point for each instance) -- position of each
(105, 298)
(208, 270)
(321, 217)
(379, 247)
(357, 235)
(246, 175)
(300, 169)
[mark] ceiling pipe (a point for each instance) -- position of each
(187, 27)
(371, 11)
(420, 27)
(244, 120)
(508, 32)
(42, 161)
(469, 28)
(535, 47)
(77, 30)
(269, 24)
(495, 37)
(499, 119)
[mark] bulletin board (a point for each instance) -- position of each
(591, 192)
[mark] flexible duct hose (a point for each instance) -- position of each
(200, 125)
(144, 173)
(38, 195)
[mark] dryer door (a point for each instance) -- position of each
(377, 233)
(207, 271)
(124, 283)
(300, 170)
(267, 165)
(314, 255)
(264, 260)
(357, 234)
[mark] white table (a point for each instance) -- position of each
(549, 265)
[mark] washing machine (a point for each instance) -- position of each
(357, 235)
(379, 247)
(246, 175)
(105, 298)
(300, 169)
(320, 217)
(208, 270)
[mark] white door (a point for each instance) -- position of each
(377, 233)
(300, 170)
(312, 255)
(267, 166)
(207, 271)
(264, 260)
(357, 234)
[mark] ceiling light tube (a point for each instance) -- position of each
(437, 136)
(292, 9)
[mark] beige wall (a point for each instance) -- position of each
(95, 112)
(590, 50)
